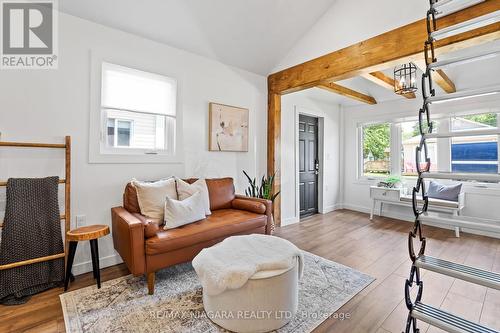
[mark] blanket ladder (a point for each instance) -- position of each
(67, 195)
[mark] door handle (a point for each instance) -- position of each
(316, 168)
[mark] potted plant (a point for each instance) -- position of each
(390, 182)
(264, 190)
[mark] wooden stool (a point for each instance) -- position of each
(90, 233)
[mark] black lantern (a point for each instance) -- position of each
(405, 79)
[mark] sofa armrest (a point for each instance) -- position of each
(128, 239)
(249, 205)
(256, 203)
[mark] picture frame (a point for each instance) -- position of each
(228, 128)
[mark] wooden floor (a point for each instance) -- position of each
(378, 248)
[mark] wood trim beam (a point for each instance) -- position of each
(384, 81)
(349, 93)
(274, 150)
(391, 48)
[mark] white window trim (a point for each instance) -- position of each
(174, 155)
(443, 150)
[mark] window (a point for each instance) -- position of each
(138, 111)
(410, 140)
(376, 140)
(477, 154)
(390, 147)
(119, 132)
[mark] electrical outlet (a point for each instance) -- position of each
(80, 221)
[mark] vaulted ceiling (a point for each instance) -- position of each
(250, 34)
(258, 35)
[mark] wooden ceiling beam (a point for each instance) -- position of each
(349, 93)
(389, 49)
(440, 77)
(384, 81)
(444, 81)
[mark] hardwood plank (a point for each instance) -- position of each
(491, 309)
(346, 92)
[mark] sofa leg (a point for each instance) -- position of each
(151, 283)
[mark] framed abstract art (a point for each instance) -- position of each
(228, 128)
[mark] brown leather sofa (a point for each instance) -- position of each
(146, 248)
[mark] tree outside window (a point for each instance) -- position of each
(376, 149)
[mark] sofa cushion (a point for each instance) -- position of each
(182, 212)
(221, 223)
(433, 202)
(152, 195)
(185, 190)
(130, 201)
(221, 191)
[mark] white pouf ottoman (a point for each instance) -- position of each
(268, 298)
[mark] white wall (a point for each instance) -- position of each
(345, 23)
(480, 202)
(45, 105)
(330, 118)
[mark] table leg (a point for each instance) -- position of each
(95, 261)
(373, 209)
(381, 208)
(71, 258)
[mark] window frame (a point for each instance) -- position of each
(443, 146)
(122, 155)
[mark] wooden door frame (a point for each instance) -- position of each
(394, 47)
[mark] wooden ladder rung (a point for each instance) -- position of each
(32, 144)
(32, 261)
(61, 181)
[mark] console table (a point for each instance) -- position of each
(395, 196)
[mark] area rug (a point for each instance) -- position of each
(123, 305)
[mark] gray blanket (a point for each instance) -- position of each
(31, 229)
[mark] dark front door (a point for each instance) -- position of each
(308, 165)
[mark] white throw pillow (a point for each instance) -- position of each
(183, 212)
(151, 197)
(185, 190)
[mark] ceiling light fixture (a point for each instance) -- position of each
(405, 79)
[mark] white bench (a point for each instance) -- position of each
(394, 196)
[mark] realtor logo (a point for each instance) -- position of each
(29, 38)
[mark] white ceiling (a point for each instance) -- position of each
(250, 34)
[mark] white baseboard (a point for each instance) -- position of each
(86, 266)
(331, 208)
(411, 218)
(327, 209)
(290, 220)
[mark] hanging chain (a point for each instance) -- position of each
(423, 164)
